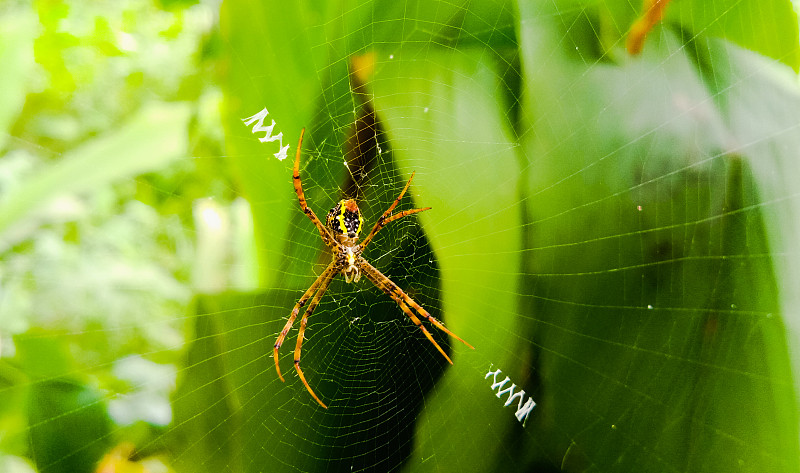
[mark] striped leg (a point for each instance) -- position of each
(404, 301)
(323, 286)
(325, 277)
(417, 322)
(327, 238)
(386, 218)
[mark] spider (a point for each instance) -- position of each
(340, 234)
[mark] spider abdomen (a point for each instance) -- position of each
(344, 219)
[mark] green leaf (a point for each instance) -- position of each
(616, 235)
(276, 66)
(653, 258)
(206, 409)
(69, 426)
(272, 65)
(471, 182)
(767, 27)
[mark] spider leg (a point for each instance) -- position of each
(326, 275)
(327, 238)
(417, 322)
(323, 286)
(404, 301)
(386, 218)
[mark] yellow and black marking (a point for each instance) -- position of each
(345, 219)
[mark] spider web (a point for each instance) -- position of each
(613, 233)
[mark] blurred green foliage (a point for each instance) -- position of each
(103, 106)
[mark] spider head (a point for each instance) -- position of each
(344, 220)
